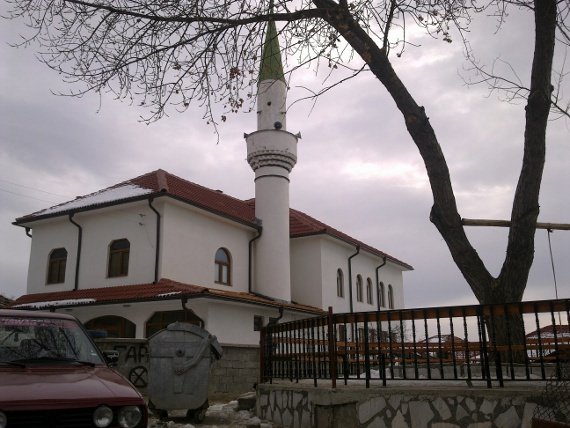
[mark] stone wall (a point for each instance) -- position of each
(235, 373)
(417, 406)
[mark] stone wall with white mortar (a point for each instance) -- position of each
(413, 407)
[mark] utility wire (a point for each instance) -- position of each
(31, 188)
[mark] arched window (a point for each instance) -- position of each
(119, 258)
(56, 266)
(160, 320)
(382, 295)
(369, 292)
(390, 297)
(339, 283)
(359, 288)
(115, 326)
(222, 273)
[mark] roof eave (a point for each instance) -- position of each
(346, 241)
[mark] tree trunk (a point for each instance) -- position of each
(511, 282)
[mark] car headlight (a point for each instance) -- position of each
(102, 416)
(129, 416)
(3, 420)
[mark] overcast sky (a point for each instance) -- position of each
(357, 169)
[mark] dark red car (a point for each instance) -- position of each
(53, 375)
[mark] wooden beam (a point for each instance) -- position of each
(507, 223)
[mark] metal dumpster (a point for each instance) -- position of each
(180, 359)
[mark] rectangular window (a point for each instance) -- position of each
(119, 258)
(56, 266)
(257, 322)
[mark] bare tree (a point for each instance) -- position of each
(174, 52)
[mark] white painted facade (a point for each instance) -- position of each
(174, 238)
(317, 259)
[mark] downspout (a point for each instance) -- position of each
(79, 239)
(276, 320)
(258, 222)
(378, 282)
(157, 250)
(28, 232)
(191, 312)
(350, 276)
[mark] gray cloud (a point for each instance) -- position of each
(358, 169)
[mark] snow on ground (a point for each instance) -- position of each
(217, 416)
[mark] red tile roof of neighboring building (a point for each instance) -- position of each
(548, 331)
(161, 183)
(165, 289)
(4, 301)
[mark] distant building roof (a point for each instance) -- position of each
(4, 301)
(548, 332)
(165, 289)
(160, 183)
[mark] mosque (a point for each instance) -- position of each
(136, 256)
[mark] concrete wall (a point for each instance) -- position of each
(235, 373)
(407, 406)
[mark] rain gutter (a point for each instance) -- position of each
(350, 276)
(79, 240)
(157, 251)
(378, 281)
(259, 225)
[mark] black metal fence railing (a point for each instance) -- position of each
(517, 341)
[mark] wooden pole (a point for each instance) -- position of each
(507, 223)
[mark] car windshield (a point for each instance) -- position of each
(25, 339)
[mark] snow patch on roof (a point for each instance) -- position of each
(125, 191)
(42, 305)
(173, 293)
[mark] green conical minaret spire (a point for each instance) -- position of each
(271, 66)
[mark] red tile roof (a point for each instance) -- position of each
(165, 289)
(548, 331)
(161, 183)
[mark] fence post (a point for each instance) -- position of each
(332, 347)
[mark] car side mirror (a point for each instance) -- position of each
(111, 357)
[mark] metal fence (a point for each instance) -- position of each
(528, 341)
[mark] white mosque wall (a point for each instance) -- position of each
(306, 271)
(315, 261)
(190, 238)
(135, 222)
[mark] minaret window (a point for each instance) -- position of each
(56, 266)
(359, 288)
(119, 258)
(369, 292)
(339, 283)
(222, 273)
(390, 297)
(382, 295)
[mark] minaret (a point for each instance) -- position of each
(272, 154)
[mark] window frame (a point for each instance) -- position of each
(56, 267)
(120, 254)
(340, 283)
(369, 292)
(223, 266)
(359, 289)
(390, 296)
(382, 293)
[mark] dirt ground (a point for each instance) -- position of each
(217, 416)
